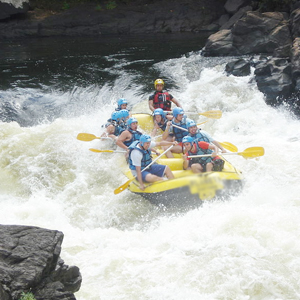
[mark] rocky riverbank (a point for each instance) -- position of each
(30, 262)
(269, 42)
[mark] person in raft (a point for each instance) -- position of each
(140, 158)
(201, 164)
(199, 135)
(176, 130)
(161, 98)
(160, 119)
(122, 104)
(116, 124)
(128, 136)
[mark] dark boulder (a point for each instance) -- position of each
(220, 44)
(29, 261)
(239, 67)
(257, 33)
(254, 33)
(295, 58)
(295, 23)
(274, 79)
(232, 6)
(239, 14)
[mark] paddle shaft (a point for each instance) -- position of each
(213, 114)
(184, 129)
(251, 152)
(159, 156)
(109, 151)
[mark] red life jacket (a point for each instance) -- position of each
(162, 100)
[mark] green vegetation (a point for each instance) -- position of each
(27, 296)
(111, 4)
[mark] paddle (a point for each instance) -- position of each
(87, 137)
(229, 146)
(247, 153)
(126, 184)
(212, 114)
(201, 123)
(109, 151)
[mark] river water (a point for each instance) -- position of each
(245, 248)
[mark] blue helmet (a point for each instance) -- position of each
(177, 111)
(131, 120)
(115, 116)
(187, 139)
(124, 113)
(121, 101)
(190, 123)
(159, 111)
(145, 138)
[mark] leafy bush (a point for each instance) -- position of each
(111, 4)
(27, 296)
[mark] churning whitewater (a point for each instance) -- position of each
(245, 248)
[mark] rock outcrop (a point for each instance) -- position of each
(30, 261)
(275, 37)
(135, 17)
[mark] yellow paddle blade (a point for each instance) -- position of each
(201, 123)
(229, 146)
(252, 152)
(86, 137)
(123, 186)
(213, 114)
(98, 150)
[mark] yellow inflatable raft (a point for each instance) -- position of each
(187, 188)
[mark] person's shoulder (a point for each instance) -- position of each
(152, 95)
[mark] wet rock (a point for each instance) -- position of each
(254, 33)
(29, 261)
(223, 19)
(239, 14)
(239, 67)
(220, 44)
(232, 6)
(295, 58)
(283, 51)
(295, 23)
(274, 79)
(8, 9)
(257, 33)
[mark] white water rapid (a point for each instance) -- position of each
(245, 248)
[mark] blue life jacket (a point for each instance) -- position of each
(163, 125)
(118, 130)
(135, 136)
(199, 137)
(178, 133)
(146, 160)
(200, 151)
